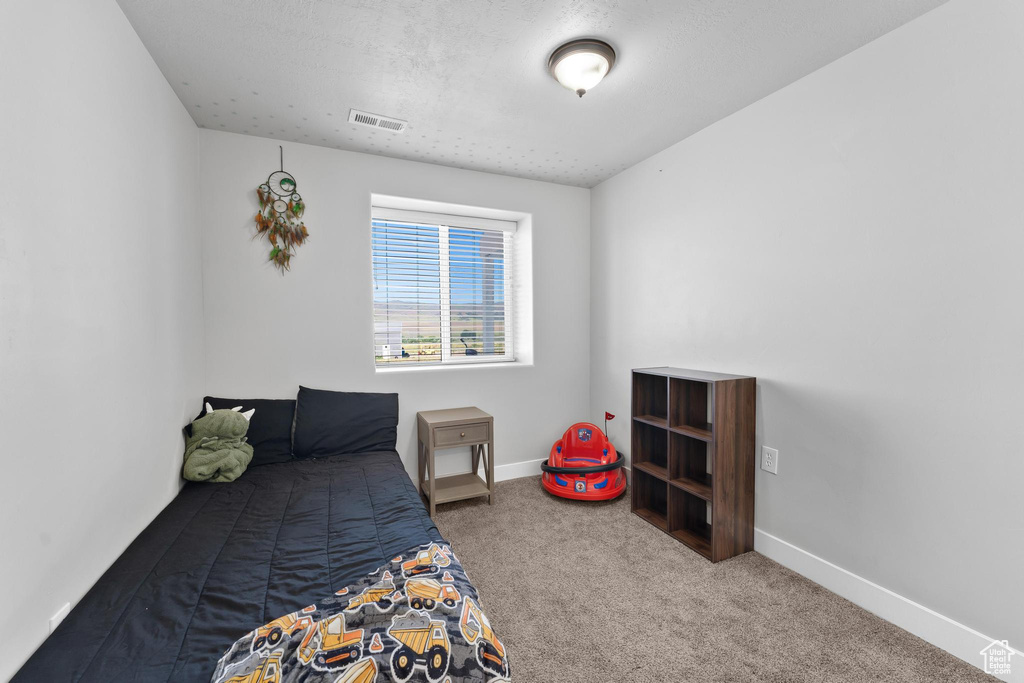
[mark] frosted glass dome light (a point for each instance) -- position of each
(579, 65)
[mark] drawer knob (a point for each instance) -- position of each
(462, 434)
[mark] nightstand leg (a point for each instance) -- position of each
(490, 471)
(421, 463)
(430, 473)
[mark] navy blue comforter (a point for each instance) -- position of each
(221, 559)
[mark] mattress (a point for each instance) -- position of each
(222, 559)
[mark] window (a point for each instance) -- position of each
(442, 288)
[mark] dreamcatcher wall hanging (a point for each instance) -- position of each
(280, 216)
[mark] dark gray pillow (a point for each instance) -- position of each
(270, 429)
(333, 422)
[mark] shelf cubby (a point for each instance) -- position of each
(690, 466)
(693, 457)
(690, 411)
(650, 499)
(650, 403)
(689, 521)
(650, 449)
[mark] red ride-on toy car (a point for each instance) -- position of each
(584, 465)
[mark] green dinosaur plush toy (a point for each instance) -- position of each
(217, 450)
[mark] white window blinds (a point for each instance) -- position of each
(442, 288)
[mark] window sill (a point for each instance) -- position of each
(435, 367)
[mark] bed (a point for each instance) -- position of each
(224, 555)
(221, 559)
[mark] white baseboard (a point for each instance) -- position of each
(953, 637)
(515, 470)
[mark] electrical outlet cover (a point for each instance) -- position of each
(769, 460)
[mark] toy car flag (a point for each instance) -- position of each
(608, 416)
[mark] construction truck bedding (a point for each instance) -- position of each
(415, 618)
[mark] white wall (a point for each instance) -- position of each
(100, 302)
(267, 333)
(855, 242)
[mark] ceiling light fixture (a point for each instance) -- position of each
(579, 65)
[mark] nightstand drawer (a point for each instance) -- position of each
(453, 436)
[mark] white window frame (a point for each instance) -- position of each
(445, 221)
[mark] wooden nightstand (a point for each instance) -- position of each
(450, 429)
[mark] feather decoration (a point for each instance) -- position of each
(284, 229)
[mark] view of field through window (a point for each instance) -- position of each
(439, 293)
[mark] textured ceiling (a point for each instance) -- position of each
(470, 75)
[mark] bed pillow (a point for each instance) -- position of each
(333, 422)
(270, 429)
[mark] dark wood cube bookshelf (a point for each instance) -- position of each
(693, 457)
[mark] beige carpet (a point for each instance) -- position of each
(591, 593)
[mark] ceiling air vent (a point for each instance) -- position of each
(365, 118)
